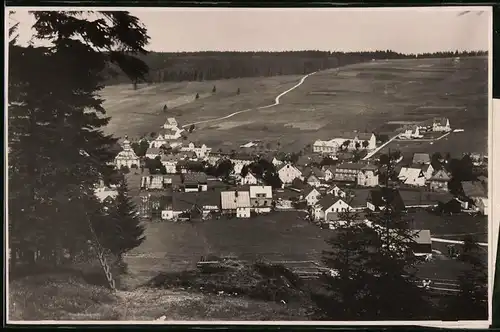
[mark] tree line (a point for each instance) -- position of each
(204, 66)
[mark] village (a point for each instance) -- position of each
(173, 179)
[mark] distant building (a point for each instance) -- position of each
(411, 132)
(195, 181)
(241, 160)
(152, 153)
(165, 136)
(412, 176)
(169, 161)
(171, 123)
(311, 195)
(248, 179)
(201, 151)
(477, 192)
(336, 191)
(439, 181)
(284, 198)
(330, 204)
(261, 198)
(287, 173)
(348, 172)
(236, 202)
(127, 156)
(368, 176)
(379, 198)
(354, 141)
(441, 125)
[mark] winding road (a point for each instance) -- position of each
(276, 102)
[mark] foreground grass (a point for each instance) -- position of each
(67, 297)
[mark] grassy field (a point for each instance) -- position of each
(368, 96)
(137, 112)
(66, 297)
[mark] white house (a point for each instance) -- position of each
(276, 162)
(170, 162)
(412, 176)
(261, 198)
(428, 171)
(127, 156)
(441, 125)
(287, 173)
(201, 151)
(165, 136)
(410, 132)
(329, 172)
(357, 141)
(336, 191)
(368, 176)
(239, 161)
(311, 195)
(171, 123)
(248, 179)
(152, 153)
(236, 202)
(329, 204)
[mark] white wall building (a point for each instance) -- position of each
(201, 151)
(288, 173)
(127, 157)
(261, 198)
(237, 202)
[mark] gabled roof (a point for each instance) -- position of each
(474, 189)
(194, 178)
(313, 170)
(307, 189)
(267, 190)
(298, 184)
(169, 158)
(421, 158)
(354, 166)
(286, 166)
(441, 175)
(285, 194)
(231, 200)
(326, 201)
(380, 196)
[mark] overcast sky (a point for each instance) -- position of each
(407, 30)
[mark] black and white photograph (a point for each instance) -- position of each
(210, 165)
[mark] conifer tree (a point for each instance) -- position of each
(128, 231)
(59, 151)
(471, 303)
(345, 286)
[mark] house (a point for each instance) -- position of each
(379, 198)
(105, 194)
(314, 171)
(236, 202)
(336, 191)
(169, 161)
(152, 153)
(126, 157)
(410, 132)
(261, 198)
(329, 172)
(153, 203)
(195, 181)
(298, 184)
(351, 141)
(287, 173)
(412, 176)
(241, 160)
(439, 181)
(248, 179)
(183, 203)
(313, 180)
(368, 176)
(329, 204)
(171, 123)
(441, 125)
(165, 136)
(478, 194)
(201, 151)
(153, 182)
(311, 195)
(348, 172)
(284, 198)
(428, 171)
(422, 245)
(421, 159)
